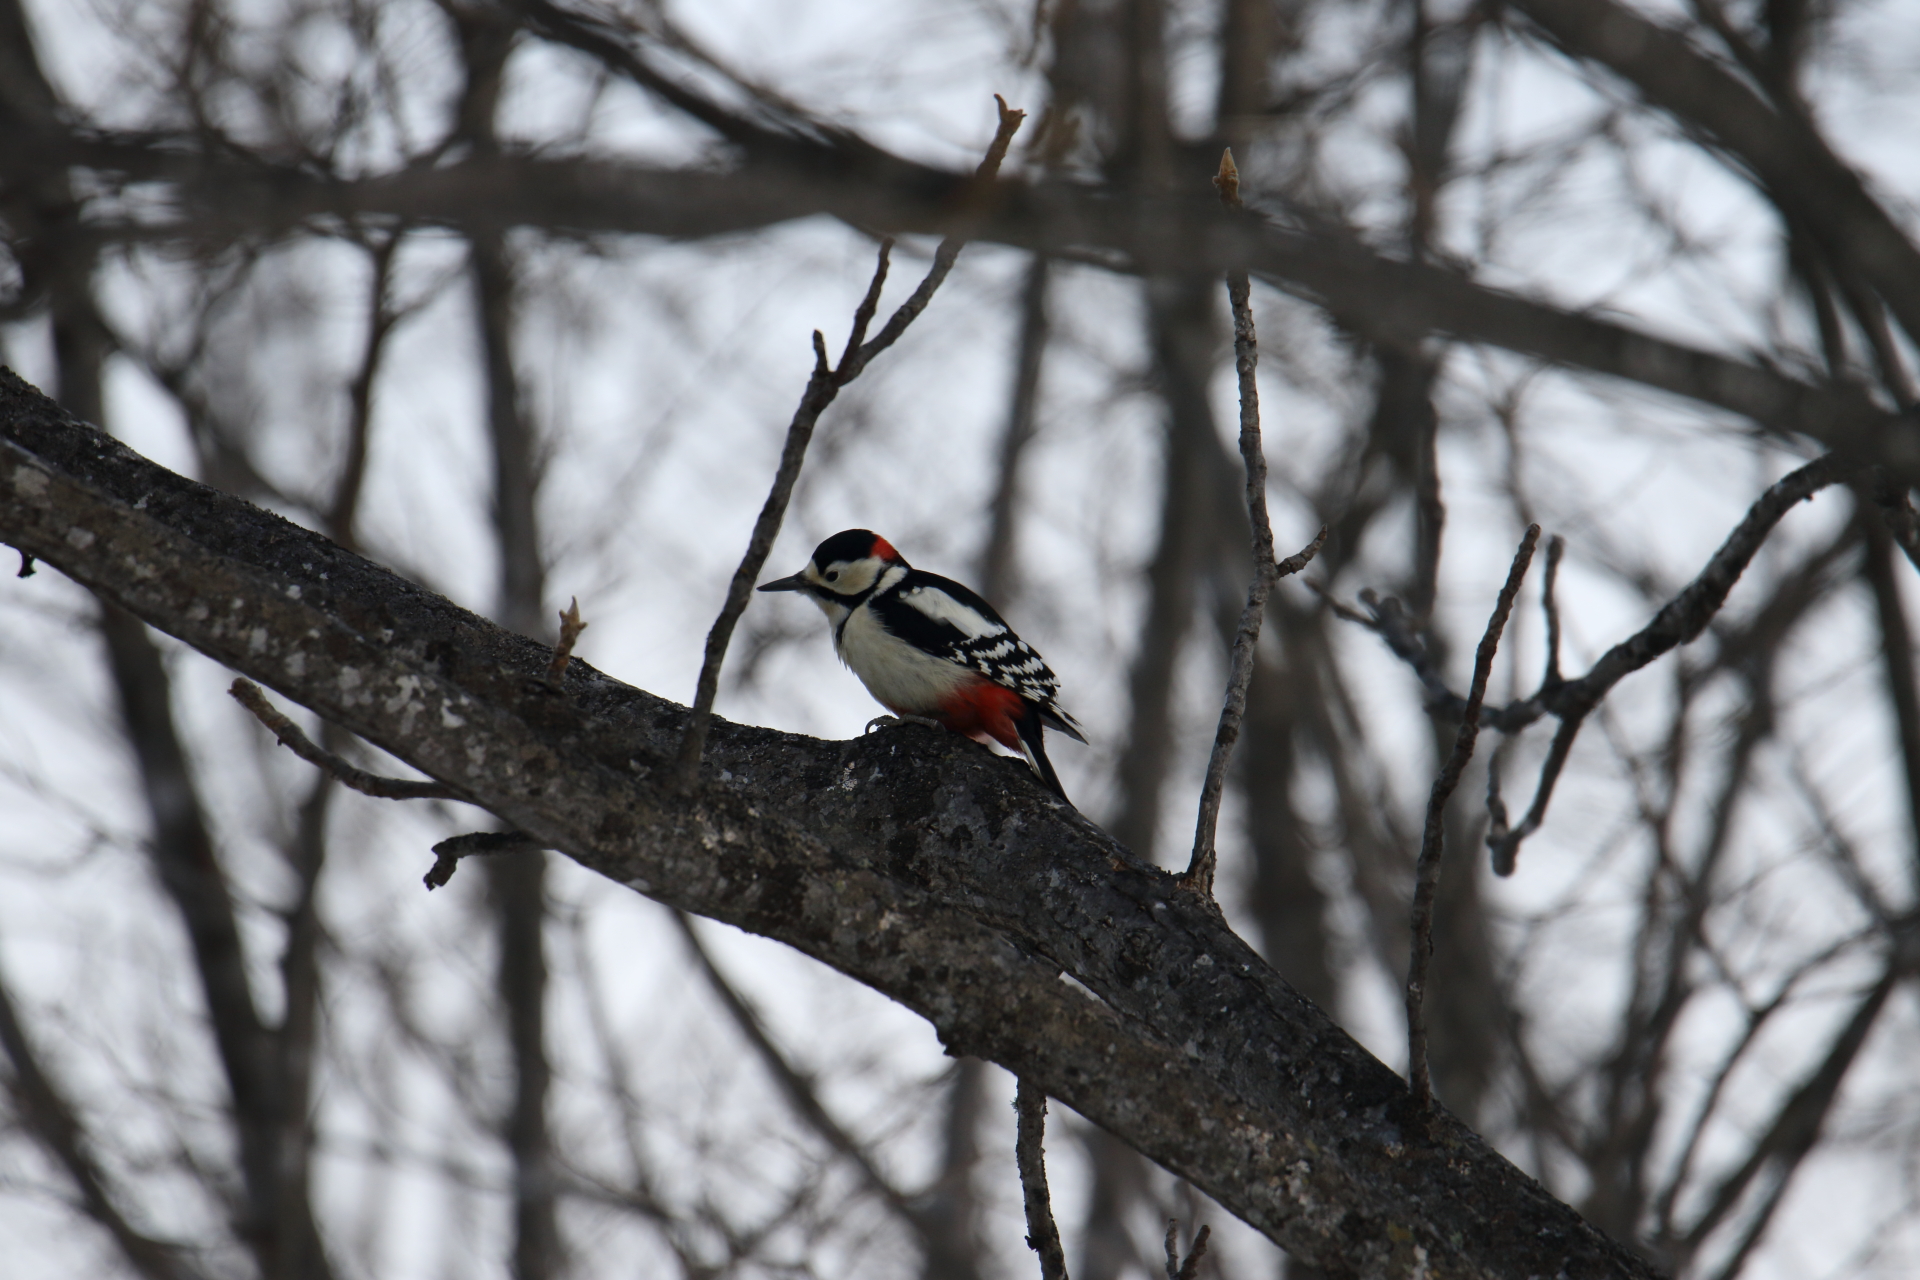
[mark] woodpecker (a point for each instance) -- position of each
(928, 649)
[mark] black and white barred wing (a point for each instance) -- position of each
(949, 621)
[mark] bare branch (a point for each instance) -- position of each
(821, 389)
(1796, 1125)
(1030, 1154)
(1678, 622)
(997, 560)
(828, 171)
(1777, 142)
(1681, 620)
(1427, 872)
(1556, 546)
(382, 317)
(248, 695)
(1246, 359)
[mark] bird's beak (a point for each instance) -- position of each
(795, 583)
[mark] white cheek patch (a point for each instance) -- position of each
(851, 577)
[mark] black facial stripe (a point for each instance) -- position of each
(849, 601)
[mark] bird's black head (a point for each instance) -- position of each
(847, 565)
(851, 545)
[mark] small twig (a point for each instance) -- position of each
(382, 319)
(1505, 842)
(1427, 873)
(248, 695)
(1176, 1269)
(1496, 803)
(1556, 545)
(1200, 867)
(571, 625)
(448, 852)
(822, 387)
(1246, 360)
(26, 566)
(1043, 1237)
(1227, 181)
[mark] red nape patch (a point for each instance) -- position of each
(985, 710)
(883, 549)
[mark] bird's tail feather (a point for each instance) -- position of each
(1034, 748)
(1055, 718)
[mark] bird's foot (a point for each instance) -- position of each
(882, 722)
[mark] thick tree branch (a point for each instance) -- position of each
(1392, 301)
(1776, 141)
(914, 862)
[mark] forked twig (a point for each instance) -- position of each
(822, 387)
(1678, 622)
(1176, 1269)
(1246, 359)
(1432, 841)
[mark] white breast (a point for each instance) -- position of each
(900, 677)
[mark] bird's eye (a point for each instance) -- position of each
(833, 575)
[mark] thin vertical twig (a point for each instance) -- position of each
(382, 318)
(822, 387)
(1556, 546)
(1043, 1237)
(1246, 359)
(1426, 879)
